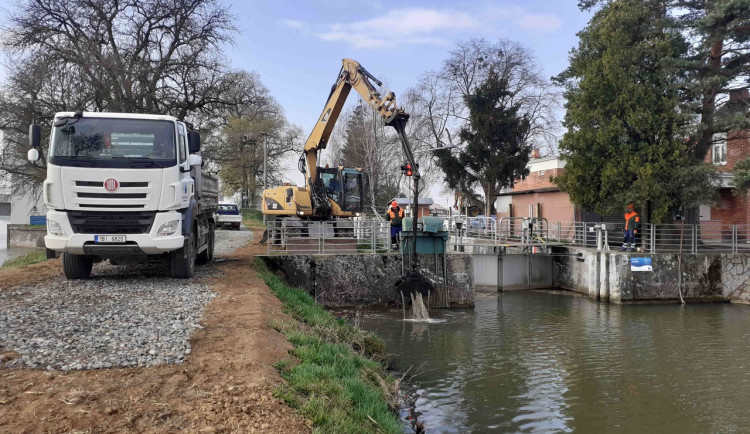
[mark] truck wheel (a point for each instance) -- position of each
(237, 226)
(207, 255)
(182, 265)
(77, 266)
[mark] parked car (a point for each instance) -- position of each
(228, 215)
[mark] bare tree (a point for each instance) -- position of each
(149, 56)
(253, 120)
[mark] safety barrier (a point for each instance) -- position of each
(330, 237)
(371, 236)
(705, 237)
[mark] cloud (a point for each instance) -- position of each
(294, 23)
(400, 26)
(430, 26)
(544, 24)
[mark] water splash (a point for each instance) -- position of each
(418, 309)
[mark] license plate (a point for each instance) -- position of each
(109, 239)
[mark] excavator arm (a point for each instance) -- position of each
(352, 75)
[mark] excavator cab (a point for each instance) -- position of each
(345, 187)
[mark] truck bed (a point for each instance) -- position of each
(207, 191)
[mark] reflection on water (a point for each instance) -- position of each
(11, 252)
(532, 361)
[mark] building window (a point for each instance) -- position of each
(719, 149)
(4, 209)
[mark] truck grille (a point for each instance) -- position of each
(95, 222)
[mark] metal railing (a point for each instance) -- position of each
(373, 236)
(334, 237)
(706, 237)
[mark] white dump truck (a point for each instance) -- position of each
(127, 188)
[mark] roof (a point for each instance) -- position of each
(426, 201)
(535, 190)
(117, 115)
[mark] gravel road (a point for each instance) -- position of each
(122, 316)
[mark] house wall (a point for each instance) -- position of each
(555, 206)
(537, 179)
(730, 208)
(738, 149)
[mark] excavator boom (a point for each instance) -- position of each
(336, 192)
(351, 75)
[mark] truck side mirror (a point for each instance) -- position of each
(35, 135)
(194, 142)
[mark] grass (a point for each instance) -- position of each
(252, 219)
(22, 261)
(339, 382)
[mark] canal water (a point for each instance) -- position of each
(555, 362)
(12, 252)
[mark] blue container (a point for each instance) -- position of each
(427, 242)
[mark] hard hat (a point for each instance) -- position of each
(394, 204)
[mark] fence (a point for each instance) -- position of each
(373, 236)
(357, 236)
(652, 238)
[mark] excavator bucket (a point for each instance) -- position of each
(414, 282)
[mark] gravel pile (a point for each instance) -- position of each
(122, 316)
(227, 241)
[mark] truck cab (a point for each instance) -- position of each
(125, 188)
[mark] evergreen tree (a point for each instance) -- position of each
(496, 151)
(627, 138)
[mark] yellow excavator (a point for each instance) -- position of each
(331, 192)
(338, 192)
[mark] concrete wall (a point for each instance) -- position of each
(607, 276)
(26, 236)
(349, 280)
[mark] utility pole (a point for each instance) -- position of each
(265, 170)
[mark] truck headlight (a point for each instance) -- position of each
(168, 228)
(55, 228)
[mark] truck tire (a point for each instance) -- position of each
(182, 263)
(207, 255)
(76, 266)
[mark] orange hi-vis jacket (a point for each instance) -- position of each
(395, 218)
(632, 221)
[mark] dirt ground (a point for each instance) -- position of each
(225, 385)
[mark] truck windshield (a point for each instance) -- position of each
(119, 143)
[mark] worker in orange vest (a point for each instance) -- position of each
(396, 216)
(632, 222)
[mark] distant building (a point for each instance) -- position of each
(536, 194)
(726, 150)
(16, 209)
(406, 204)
